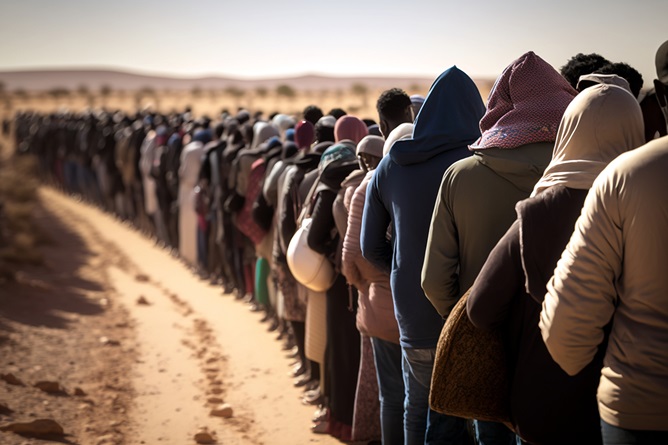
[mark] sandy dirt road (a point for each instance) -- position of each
(185, 342)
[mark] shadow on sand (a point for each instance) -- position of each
(44, 295)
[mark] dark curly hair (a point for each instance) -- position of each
(312, 113)
(625, 71)
(392, 103)
(338, 113)
(582, 64)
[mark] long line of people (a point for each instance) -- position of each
(357, 239)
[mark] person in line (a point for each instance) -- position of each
(375, 310)
(581, 64)
(394, 108)
(402, 194)
(655, 104)
(478, 194)
(547, 405)
(190, 164)
(612, 276)
(343, 338)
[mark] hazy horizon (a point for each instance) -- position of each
(150, 73)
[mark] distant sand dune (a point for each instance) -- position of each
(43, 80)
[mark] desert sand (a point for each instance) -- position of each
(149, 345)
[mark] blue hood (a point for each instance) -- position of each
(448, 119)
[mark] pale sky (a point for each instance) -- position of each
(265, 38)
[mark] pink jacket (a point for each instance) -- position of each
(375, 313)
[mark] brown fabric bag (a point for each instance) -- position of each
(471, 377)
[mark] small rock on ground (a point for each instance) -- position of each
(224, 410)
(142, 301)
(109, 342)
(11, 379)
(50, 387)
(36, 428)
(204, 437)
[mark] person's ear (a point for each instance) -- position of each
(661, 92)
(409, 115)
(384, 128)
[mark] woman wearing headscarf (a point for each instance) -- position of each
(376, 317)
(316, 311)
(547, 405)
(476, 201)
(375, 321)
(350, 128)
(343, 354)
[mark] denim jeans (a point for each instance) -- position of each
(493, 433)
(421, 424)
(614, 435)
(387, 356)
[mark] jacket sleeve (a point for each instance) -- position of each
(375, 220)
(581, 295)
(500, 280)
(352, 252)
(440, 277)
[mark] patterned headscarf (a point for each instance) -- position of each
(525, 105)
(337, 153)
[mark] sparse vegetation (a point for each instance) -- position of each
(19, 237)
(261, 92)
(362, 91)
(284, 98)
(285, 91)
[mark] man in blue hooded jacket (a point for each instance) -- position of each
(402, 193)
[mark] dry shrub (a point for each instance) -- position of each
(19, 236)
(18, 182)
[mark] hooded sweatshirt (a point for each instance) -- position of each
(477, 197)
(402, 194)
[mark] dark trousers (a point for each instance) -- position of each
(614, 435)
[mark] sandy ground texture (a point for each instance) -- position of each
(134, 348)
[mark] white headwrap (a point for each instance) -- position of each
(262, 131)
(283, 122)
(403, 131)
(601, 123)
(610, 79)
